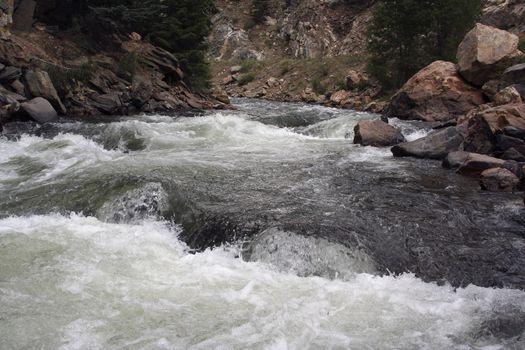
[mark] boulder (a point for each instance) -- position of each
(502, 116)
(454, 160)
(507, 96)
(8, 97)
(355, 80)
(141, 91)
(235, 69)
(499, 180)
(484, 124)
(221, 96)
(513, 154)
(436, 93)
(9, 74)
(40, 110)
(436, 145)
(485, 52)
(514, 74)
(341, 97)
(505, 14)
(504, 142)
(40, 85)
(514, 132)
(106, 103)
(376, 133)
(476, 163)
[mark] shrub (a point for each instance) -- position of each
(522, 44)
(65, 78)
(245, 79)
(406, 35)
(284, 68)
(318, 86)
(127, 66)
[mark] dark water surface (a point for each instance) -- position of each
(102, 219)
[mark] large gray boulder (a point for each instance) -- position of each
(40, 110)
(376, 133)
(433, 146)
(485, 52)
(39, 84)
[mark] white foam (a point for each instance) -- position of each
(88, 284)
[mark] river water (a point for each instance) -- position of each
(261, 228)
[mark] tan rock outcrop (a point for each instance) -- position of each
(436, 93)
(485, 52)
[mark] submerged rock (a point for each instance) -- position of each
(499, 180)
(40, 110)
(147, 202)
(436, 145)
(376, 133)
(436, 93)
(485, 52)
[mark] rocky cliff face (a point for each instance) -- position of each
(91, 70)
(307, 49)
(301, 29)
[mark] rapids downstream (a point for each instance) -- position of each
(261, 228)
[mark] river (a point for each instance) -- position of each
(260, 228)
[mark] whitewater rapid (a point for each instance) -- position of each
(98, 219)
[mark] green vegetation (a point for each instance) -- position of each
(319, 87)
(64, 79)
(127, 66)
(406, 35)
(260, 10)
(522, 44)
(245, 79)
(179, 26)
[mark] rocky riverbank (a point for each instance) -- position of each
(99, 69)
(477, 107)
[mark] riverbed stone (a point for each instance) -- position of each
(485, 124)
(39, 84)
(436, 93)
(436, 145)
(40, 110)
(499, 180)
(377, 133)
(485, 52)
(455, 160)
(476, 163)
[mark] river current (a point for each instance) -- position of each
(260, 228)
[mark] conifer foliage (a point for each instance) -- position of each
(406, 35)
(179, 26)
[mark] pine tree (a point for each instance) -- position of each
(179, 26)
(406, 35)
(260, 9)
